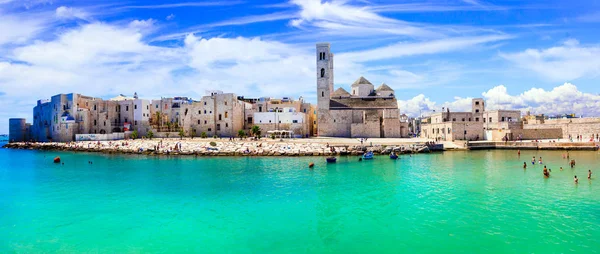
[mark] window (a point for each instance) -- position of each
(225, 103)
(126, 119)
(104, 123)
(476, 119)
(490, 119)
(476, 103)
(205, 103)
(148, 107)
(322, 72)
(204, 121)
(453, 119)
(259, 109)
(134, 106)
(209, 129)
(204, 111)
(226, 125)
(304, 110)
(126, 108)
(198, 121)
(226, 114)
(463, 119)
(279, 121)
(294, 121)
(94, 107)
(199, 112)
(510, 119)
(502, 119)
(134, 122)
(322, 94)
(484, 119)
(469, 119)
(477, 111)
(218, 127)
(156, 105)
(219, 117)
(94, 122)
(448, 130)
(269, 121)
(314, 122)
(249, 119)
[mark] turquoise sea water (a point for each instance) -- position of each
(460, 202)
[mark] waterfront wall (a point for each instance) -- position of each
(99, 137)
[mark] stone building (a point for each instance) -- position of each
(478, 124)
(365, 113)
(286, 114)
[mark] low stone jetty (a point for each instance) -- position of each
(201, 147)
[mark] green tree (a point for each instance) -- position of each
(181, 134)
(203, 135)
(241, 133)
(134, 135)
(150, 134)
(255, 130)
(169, 126)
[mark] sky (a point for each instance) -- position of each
(538, 56)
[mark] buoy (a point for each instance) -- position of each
(311, 165)
(56, 159)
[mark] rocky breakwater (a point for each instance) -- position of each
(202, 147)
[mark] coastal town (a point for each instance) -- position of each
(365, 112)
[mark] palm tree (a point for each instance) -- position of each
(255, 130)
(134, 134)
(150, 134)
(241, 133)
(181, 134)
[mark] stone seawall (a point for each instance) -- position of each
(588, 146)
(231, 148)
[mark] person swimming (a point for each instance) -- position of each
(541, 160)
(519, 152)
(575, 179)
(524, 165)
(560, 168)
(589, 174)
(533, 161)
(546, 172)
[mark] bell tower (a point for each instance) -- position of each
(324, 75)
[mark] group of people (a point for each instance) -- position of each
(546, 171)
(579, 138)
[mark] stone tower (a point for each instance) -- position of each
(324, 75)
(478, 107)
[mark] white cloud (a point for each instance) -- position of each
(430, 47)
(170, 17)
(20, 29)
(64, 12)
(341, 18)
(563, 99)
(569, 61)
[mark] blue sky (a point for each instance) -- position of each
(539, 56)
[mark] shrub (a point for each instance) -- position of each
(212, 143)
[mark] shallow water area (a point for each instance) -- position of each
(466, 202)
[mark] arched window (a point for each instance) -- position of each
(322, 94)
(322, 72)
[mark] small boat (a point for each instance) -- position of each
(393, 156)
(311, 165)
(368, 156)
(56, 159)
(331, 159)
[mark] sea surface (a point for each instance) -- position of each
(457, 202)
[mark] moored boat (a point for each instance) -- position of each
(56, 159)
(331, 159)
(393, 156)
(368, 156)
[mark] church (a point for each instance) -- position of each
(364, 112)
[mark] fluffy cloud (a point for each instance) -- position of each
(564, 99)
(20, 29)
(64, 12)
(569, 61)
